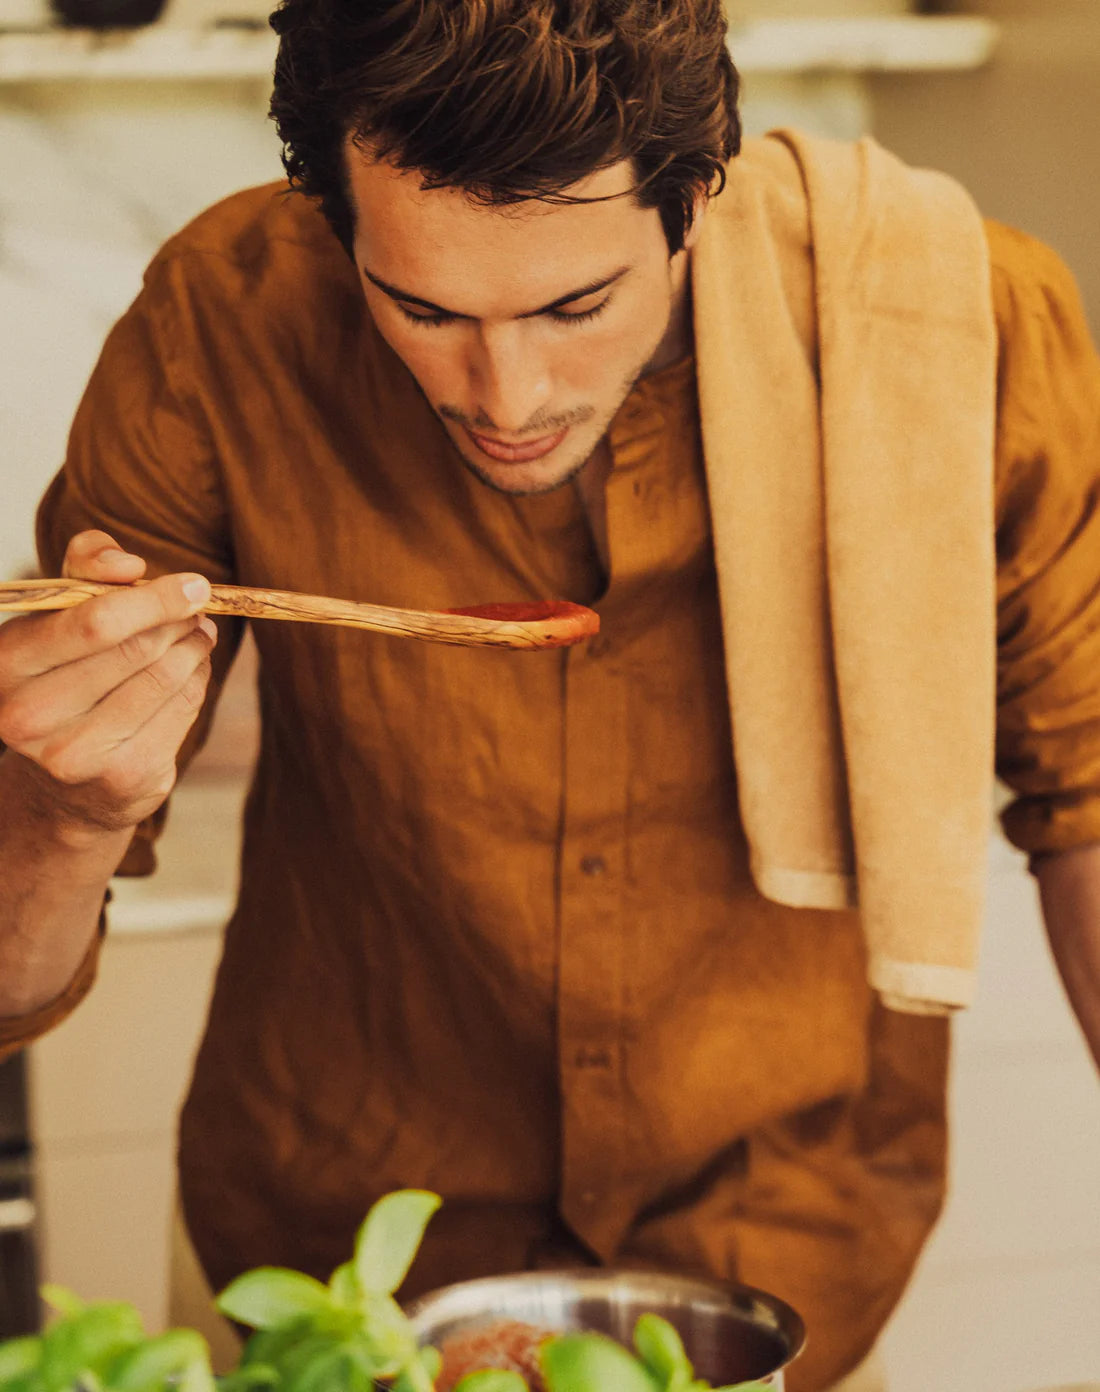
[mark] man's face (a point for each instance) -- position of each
(525, 326)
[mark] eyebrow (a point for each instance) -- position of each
(403, 295)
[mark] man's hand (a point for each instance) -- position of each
(98, 699)
(1069, 886)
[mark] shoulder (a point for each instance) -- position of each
(1048, 387)
(248, 226)
(766, 172)
(265, 249)
(1048, 370)
(1031, 282)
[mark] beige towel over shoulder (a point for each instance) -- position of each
(847, 354)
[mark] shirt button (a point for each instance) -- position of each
(588, 1198)
(593, 865)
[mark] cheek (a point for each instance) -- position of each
(597, 354)
(587, 368)
(435, 363)
(595, 362)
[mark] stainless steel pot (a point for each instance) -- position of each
(731, 1333)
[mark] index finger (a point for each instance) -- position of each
(97, 625)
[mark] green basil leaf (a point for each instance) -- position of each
(661, 1349)
(385, 1339)
(390, 1236)
(344, 1285)
(592, 1363)
(62, 1300)
(359, 1372)
(23, 1382)
(318, 1363)
(358, 1380)
(268, 1347)
(247, 1377)
(420, 1370)
(196, 1377)
(86, 1343)
(491, 1380)
(19, 1356)
(355, 1373)
(152, 1363)
(271, 1296)
(321, 1363)
(386, 1326)
(374, 1364)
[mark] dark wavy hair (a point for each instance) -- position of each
(508, 99)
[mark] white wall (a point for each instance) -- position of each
(1023, 133)
(93, 177)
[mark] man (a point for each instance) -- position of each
(498, 931)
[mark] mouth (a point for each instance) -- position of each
(519, 453)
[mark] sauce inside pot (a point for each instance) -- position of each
(510, 1345)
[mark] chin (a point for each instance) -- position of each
(530, 478)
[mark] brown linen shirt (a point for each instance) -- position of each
(496, 934)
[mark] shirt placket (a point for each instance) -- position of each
(592, 995)
(590, 984)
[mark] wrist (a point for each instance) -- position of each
(46, 819)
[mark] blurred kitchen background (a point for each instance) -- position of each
(109, 141)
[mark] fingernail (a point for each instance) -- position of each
(196, 590)
(210, 628)
(115, 553)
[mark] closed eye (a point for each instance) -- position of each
(558, 316)
(561, 316)
(416, 317)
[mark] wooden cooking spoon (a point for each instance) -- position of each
(545, 624)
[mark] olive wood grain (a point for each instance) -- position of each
(546, 624)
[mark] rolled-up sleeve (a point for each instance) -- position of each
(16, 1032)
(1048, 550)
(139, 467)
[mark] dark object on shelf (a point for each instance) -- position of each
(19, 1313)
(107, 14)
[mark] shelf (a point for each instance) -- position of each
(158, 53)
(770, 46)
(864, 45)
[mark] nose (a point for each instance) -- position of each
(510, 378)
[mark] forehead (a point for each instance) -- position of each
(445, 247)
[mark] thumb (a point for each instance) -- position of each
(95, 555)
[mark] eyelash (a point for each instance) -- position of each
(435, 321)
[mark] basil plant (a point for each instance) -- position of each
(346, 1335)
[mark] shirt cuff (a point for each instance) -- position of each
(16, 1032)
(1042, 826)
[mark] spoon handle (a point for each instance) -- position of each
(546, 624)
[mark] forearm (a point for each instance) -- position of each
(1069, 886)
(53, 877)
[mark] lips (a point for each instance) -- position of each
(519, 453)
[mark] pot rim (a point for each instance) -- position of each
(472, 1300)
